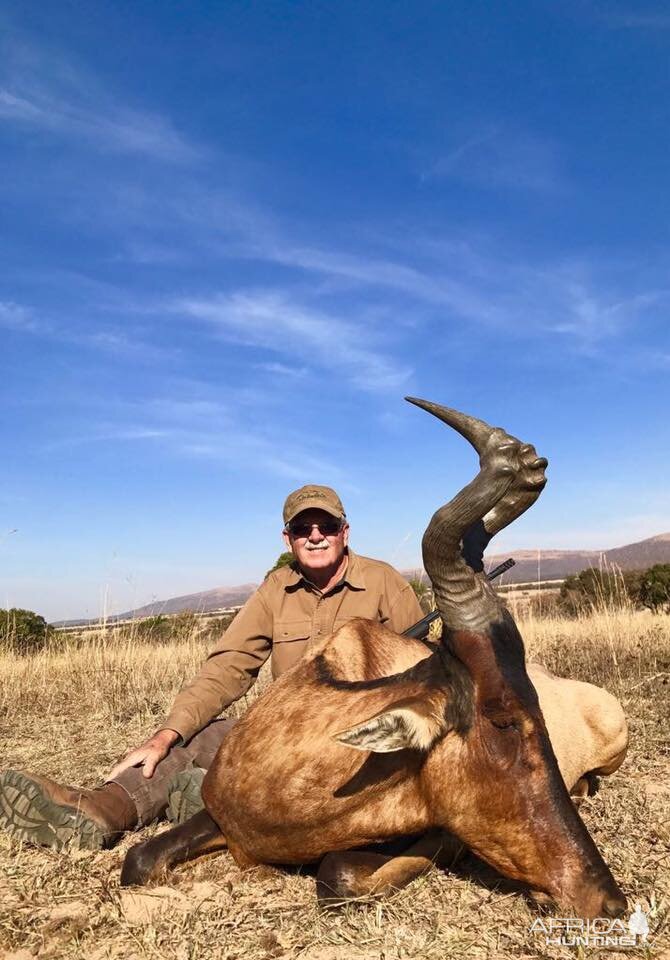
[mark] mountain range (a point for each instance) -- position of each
(531, 565)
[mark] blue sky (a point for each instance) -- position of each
(235, 235)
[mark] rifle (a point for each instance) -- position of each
(420, 629)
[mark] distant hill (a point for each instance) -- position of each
(530, 565)
(558, 564)
(216, 599)
(205, 602)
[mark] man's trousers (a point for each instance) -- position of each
(150, 794)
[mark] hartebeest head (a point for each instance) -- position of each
(490, 775)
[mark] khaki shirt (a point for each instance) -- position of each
(280, 619)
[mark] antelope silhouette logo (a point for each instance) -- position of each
(637, 923)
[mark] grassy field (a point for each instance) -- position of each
(71, 711)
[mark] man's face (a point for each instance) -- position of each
(316, 549)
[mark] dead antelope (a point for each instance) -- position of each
(372, 736)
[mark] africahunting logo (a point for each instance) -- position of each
(598, 932)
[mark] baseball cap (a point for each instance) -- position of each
(313, 497)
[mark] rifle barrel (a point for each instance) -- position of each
(420, 629)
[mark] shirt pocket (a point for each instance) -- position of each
(286, 631)
(290, 641)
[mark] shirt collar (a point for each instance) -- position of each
(353, 575)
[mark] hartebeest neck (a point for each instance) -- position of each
(495, 659)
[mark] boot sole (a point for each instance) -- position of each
(29, 813)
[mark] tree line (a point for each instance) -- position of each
(642, 588)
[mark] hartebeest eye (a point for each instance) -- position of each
(500, 715)
(501, 731)
(503, 741)
(505, 723)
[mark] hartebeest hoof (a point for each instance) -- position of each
(147, 861)
(353, 874)
(349, 876)
(140, 864)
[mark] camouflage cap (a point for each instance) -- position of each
(313, 497)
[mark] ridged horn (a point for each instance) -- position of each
(464, 599)
(475, 431)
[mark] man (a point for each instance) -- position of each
(326, 585)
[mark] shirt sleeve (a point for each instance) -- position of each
(228, 672)
(403, 607)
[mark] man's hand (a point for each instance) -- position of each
(149, 754)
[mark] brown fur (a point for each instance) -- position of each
(289, 796)
(453, 740)
(273, 770)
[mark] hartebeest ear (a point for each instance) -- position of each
(410, 724)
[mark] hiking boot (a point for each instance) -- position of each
(44, 812)
(184, 799)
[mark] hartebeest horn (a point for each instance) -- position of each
(510, 479)
(475, 431)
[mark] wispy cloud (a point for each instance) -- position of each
(102, 338)
(39, 90)
(196, 428)
(125, 130)
(382, 283)
(637, 20)
(283, 370)
(440, 288)
(114, 341)
(593, 319)
(271, 320)
(497, 157)
(154, 254)
(489, 287)
(379, 280)
(584, 301)
(249, 452)
(13, 316)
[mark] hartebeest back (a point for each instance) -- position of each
(452, 739)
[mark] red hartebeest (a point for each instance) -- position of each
(372, 737)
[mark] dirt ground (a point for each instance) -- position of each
(70, 711)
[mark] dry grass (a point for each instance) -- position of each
(72, 710)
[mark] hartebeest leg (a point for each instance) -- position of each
(587, 785)
(146, 861)
(351, 874)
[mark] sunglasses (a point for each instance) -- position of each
(301, 528)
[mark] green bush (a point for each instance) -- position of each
(282, 560)
(166, 629)
(184, 626)
(215, 627)
(157, 629)
(419, 587)
(178, 628)
(595, 587)
(655, 588)
(23, 631)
